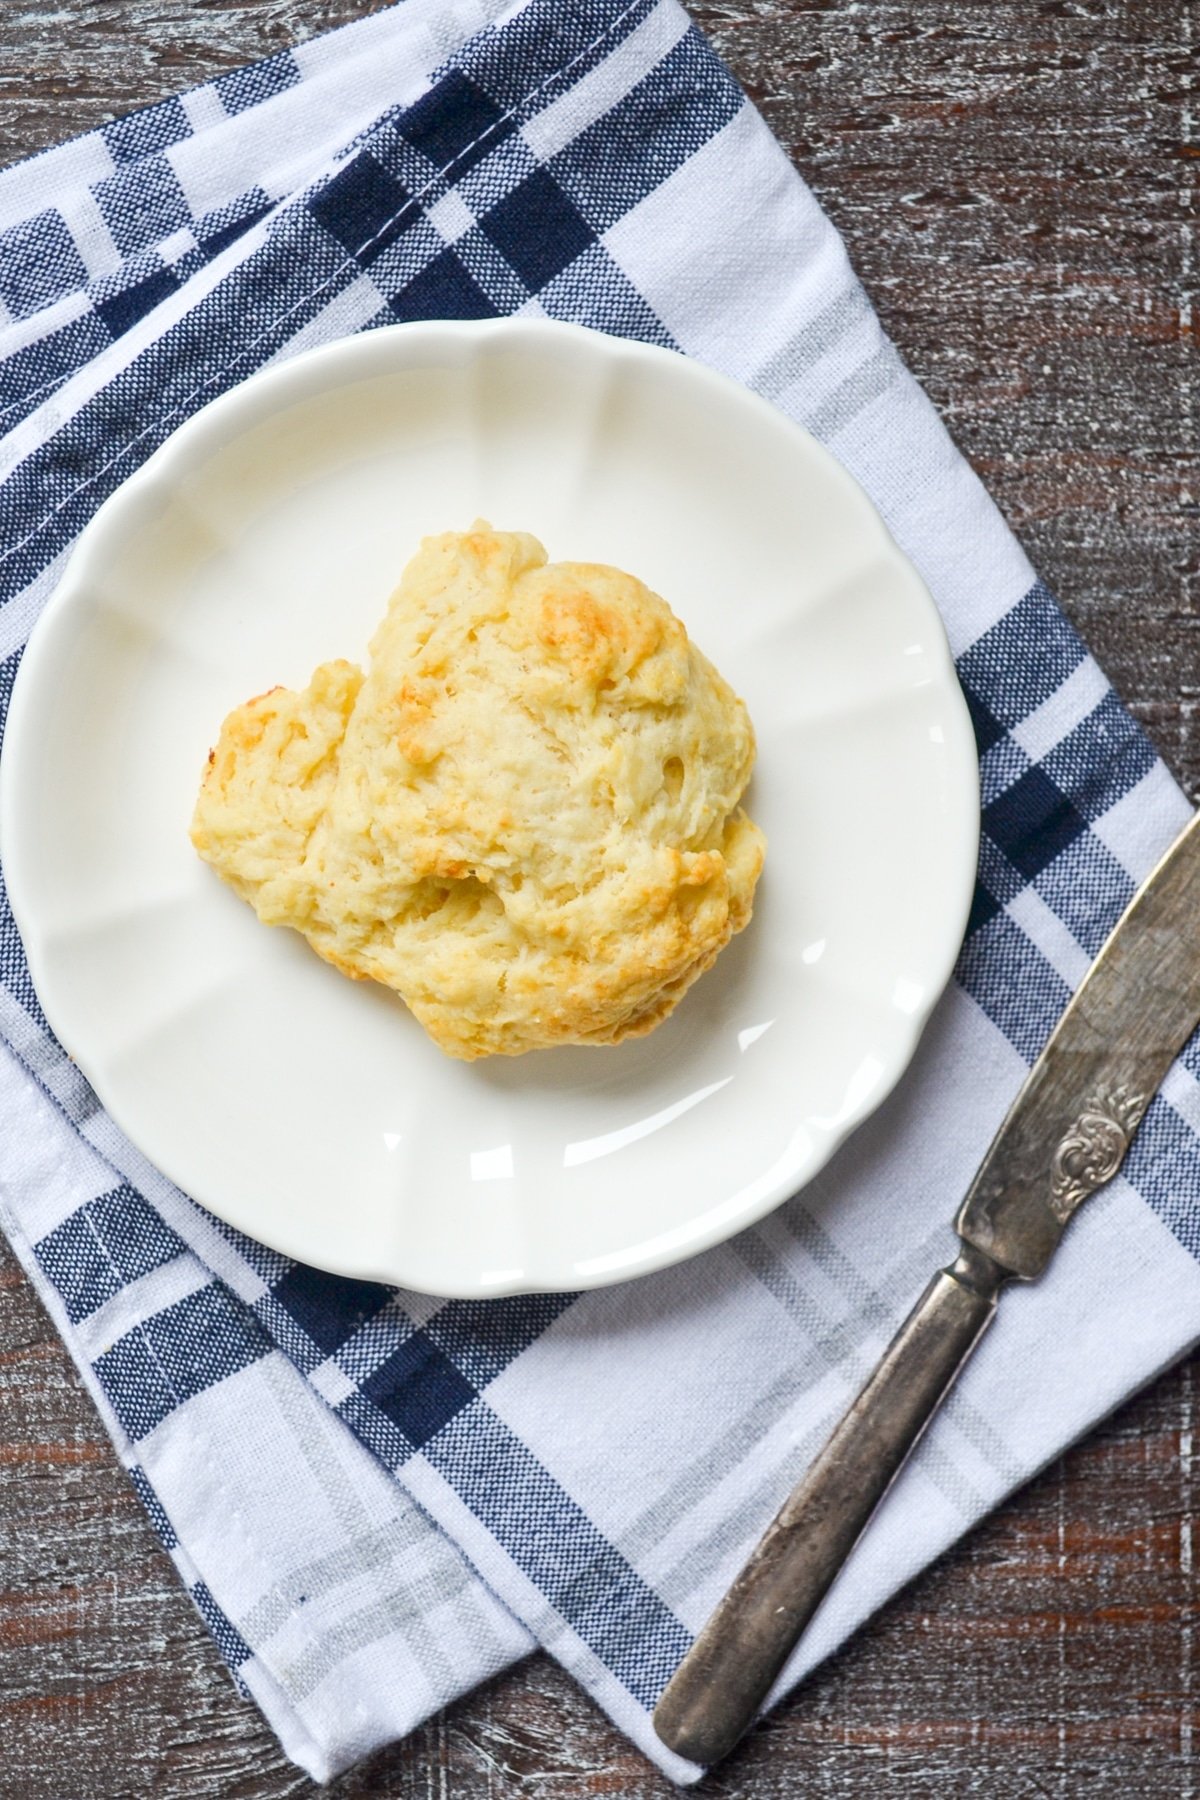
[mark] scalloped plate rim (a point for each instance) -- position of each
(250, 397)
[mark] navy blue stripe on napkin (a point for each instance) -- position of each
(232, 1646)
(100, 1249)
(176, 1354)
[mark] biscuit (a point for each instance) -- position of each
(523, 818)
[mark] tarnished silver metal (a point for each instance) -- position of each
(1094, 1148)
(1070, 1125)
(1065, 1136)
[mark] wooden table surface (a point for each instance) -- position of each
(1016, 184)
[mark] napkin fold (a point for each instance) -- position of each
(378, 1499)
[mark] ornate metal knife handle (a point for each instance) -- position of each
(730, 1669)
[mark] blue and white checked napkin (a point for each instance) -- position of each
(378, 1499)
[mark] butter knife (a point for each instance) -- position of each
(1065, 1136)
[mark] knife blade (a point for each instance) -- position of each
(1065, 1135)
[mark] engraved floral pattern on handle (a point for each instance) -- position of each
(1093, 1149)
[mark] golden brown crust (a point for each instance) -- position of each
(524, 818)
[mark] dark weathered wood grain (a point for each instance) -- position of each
(1017, 183)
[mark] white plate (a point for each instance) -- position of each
(313, 1112)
